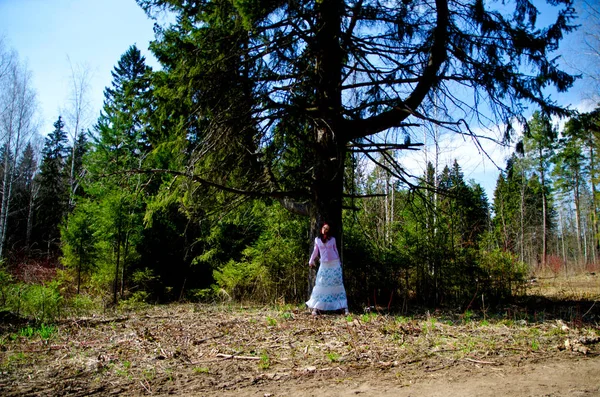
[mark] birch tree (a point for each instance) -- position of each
(77, 115)
(17, 125)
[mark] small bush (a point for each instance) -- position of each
(6, 283)
(503, 274)
(204, 295)
(137, 300)
(82, 305)
(41, 302)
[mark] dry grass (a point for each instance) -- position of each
(578, 287)
(203, 349)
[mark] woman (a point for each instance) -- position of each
(329, 292)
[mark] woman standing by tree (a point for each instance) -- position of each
(329, 292)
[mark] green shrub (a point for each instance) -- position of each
(204, 295)
(6, 284)
(82, 304)
(137, 300)
(504, 274)
(241, 279)
(44, 331)
(41, 302)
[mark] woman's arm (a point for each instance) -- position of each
(311, 261)
(335, 248)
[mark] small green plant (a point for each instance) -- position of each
(534, 332)
(286, 308)
(14, 359)
(467, 316)
(535, 345)
(265, 361)
(27, 332)
(137, 300)
(287, 315)
(432, 322)
(368, 317)
(169, 373)
(46, 331)
(469, 347)
(333, 357)
(201, 370)
(271, 322)
(402, 320)
(349, 318)
(149, 373)
(42, 302)
(429, 325)
(124, 370)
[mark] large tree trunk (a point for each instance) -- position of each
(333, 132)
(327, 191)
(329, 147)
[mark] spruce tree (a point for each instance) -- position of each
(52, 201)
(539, 143)
(268, 98)
(118, 144)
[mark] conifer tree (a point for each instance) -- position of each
(539, 144)
(52, 200)
(267, 98)
(119, 144)
(570, 180)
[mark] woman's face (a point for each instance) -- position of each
(325, 229)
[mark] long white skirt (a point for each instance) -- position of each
(329, 292)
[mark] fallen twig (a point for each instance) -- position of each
(480, 361)
(145, 387)
(199, 341)
(231, 356)
(96, 321)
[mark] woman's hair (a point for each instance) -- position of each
(325, 237)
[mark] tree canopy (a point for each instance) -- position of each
(270, 96)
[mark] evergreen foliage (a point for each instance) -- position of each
(268, 98)
(80, 242)
(52, 200)
(197, 179)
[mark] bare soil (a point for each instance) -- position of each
(540, 348)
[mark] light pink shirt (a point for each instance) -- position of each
(326, 250)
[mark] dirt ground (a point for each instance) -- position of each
(546, 378)
(544, 348)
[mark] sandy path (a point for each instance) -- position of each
(561, 378)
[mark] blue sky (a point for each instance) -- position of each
(52, 36)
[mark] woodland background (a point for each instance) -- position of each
(109, 213)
